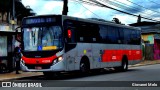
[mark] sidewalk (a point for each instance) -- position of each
(12, 75)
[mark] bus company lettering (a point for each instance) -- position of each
(114, 57)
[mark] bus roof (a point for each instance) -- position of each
(88, 20)
(100, 22)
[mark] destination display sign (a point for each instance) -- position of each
(39, 20)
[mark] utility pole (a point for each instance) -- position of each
(13, 15)
(13, 9)
(65, 7)
(139, 19)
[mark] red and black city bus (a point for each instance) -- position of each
(58, 43)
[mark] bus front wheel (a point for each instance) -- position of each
(84, 67)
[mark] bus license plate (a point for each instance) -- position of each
(38, 67)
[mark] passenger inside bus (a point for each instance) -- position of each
(46, 39)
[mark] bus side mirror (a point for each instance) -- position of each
(16, 29)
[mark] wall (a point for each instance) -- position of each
(148, 46)
(148, 37)
(153, 45)
(157, 49)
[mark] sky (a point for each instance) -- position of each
(146, 8)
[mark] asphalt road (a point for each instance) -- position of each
(100, 81)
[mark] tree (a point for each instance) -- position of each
(116, 20)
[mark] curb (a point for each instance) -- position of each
(144, 63)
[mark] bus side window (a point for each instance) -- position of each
(113, 35)
(121, 36)
(96, 37)
(83, 33)
(138, 37)
(133, 37)
(127, 36)
(103, 38)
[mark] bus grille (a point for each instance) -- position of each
(43, 66)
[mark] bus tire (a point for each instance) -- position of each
(84, 65)
(124, 65)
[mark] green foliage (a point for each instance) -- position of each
(116, 20)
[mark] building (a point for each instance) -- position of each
(11, 14)
(150, 38)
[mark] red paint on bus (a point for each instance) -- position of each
(46, 60)
(117, 55)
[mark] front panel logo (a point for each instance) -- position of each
(6, 84)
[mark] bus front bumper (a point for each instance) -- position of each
(60, 66)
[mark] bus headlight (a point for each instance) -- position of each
(60, 58)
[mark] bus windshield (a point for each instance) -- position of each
(42, 38)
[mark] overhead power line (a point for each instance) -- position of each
(89, 2)
(90, 10)
(142, 6)
(154, 2)
(98, 3)
(127, 7)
